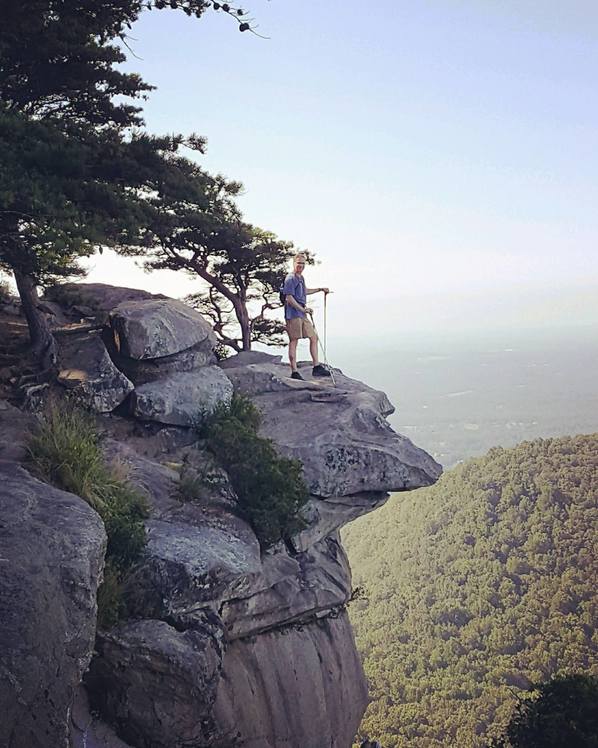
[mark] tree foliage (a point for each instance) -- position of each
(562, 712)
(241, 266)
(477, 587)
(270, 488)
(77, 171)
(196, 227)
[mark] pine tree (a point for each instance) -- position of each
(74, 171)
(241, 265)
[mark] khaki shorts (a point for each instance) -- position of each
(300, 327)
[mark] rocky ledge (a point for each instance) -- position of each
(226, 645)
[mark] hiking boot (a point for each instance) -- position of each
(320, 371)
(296, 375)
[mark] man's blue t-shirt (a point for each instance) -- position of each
(295, 286)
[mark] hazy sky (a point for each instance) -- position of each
(440, 157)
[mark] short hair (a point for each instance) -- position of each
(299, 255)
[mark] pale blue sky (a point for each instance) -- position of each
(440, 157)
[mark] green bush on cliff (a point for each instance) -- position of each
(270, 488)
(562, 712)
(65, 450)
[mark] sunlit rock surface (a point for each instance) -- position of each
(158, 327)
(226, 644)
(182, 399)
(340, 433)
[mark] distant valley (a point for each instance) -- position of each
(458, 396)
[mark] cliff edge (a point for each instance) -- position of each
(227, 645)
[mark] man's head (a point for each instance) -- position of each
(298, 263)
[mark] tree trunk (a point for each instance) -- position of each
(243, 318)
(239, 304)
(40, 335)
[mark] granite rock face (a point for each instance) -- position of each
(340, 433)
(290, 589)
(182, 399)
(95, 300)
(52, 550)
(227, 644)
(87, 370)
(158, 328)
(166, 685)
(294, 688)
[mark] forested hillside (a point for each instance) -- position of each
(477, 587)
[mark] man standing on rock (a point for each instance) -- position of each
(295, 314)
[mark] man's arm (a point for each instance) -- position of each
(309, 291)
(291, 301)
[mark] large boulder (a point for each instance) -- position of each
(95, 300)
(182, 399)
(187, 565)
(340, 433)
(86, 368)
(157, 685)
(144, 370)
(298, 686)
(52, 551)
(158, 328)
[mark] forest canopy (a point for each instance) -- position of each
(477, 588)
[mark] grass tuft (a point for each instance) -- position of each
(190, 486)
(65, 450)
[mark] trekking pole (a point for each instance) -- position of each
(325, 298)
(323, 350)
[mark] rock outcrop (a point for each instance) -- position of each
(310, 685)
(182, 399)
(226, 644)
(86, 368)
(157, 328)
(51, 555)
(340, 433)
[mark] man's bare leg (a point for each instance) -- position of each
(293, 354)
(318, 370)
(313, 350)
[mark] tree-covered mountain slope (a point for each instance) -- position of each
(476, 587)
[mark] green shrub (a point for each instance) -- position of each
(66, 451)
(270, 488)
(111, 605)
(190, 485)
(222, 352)
(562, 712)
